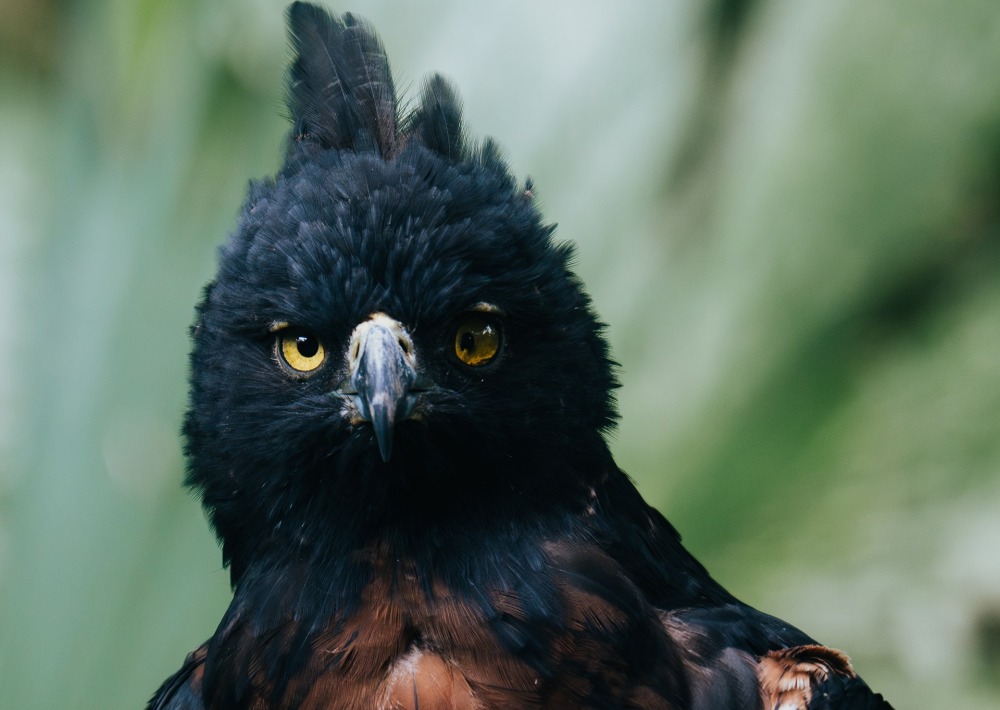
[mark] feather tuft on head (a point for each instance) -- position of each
(341, 92)
(342, 97)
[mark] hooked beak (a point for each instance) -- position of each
(382, 367)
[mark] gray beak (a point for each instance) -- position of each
(382, 375)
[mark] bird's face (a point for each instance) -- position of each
(386, 331)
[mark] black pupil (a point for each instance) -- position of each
(467, 342)
(308, 345)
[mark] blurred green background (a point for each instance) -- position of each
(787, 211)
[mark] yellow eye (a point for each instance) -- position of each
(300, 350)
(477, 339)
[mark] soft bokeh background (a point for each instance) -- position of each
(787, 211)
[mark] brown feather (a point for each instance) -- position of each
(413, 646)
(788, 676)
(422, 680)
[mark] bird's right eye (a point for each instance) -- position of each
(300, 350)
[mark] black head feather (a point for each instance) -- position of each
(341, 92)
(437, 122)
(373, 213)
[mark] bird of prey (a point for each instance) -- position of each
(400, 396)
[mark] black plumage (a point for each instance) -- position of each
(399, 401)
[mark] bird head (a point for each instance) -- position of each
(392, 333)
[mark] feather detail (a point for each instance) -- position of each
(789, 676)
(421, 680)
(341, 92)
(437, 122)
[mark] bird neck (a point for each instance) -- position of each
(325, 576)
(440, 517)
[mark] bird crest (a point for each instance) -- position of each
(342, 96)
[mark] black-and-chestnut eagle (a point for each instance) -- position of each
(400, 396)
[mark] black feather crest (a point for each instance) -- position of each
(341, 92)
(437, 122)
(342, 96)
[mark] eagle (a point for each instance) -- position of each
(400, 398)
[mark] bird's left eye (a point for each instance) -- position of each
(300, 350)
(477, 339)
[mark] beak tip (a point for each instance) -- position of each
(385, 449)
(383, 424)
